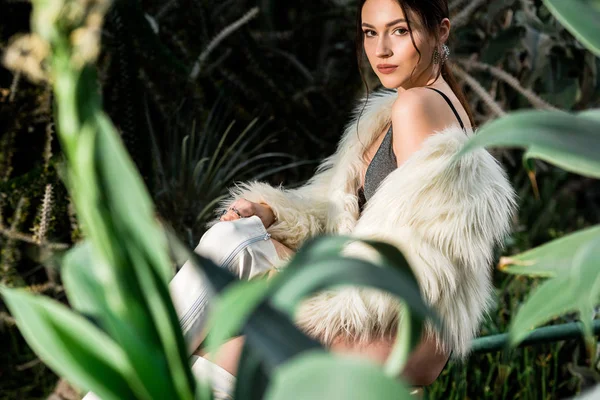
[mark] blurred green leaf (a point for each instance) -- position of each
(276, 346)
(409, 334)
(294, 284)
(83, 279)
(324, 376)
(135, 308)
(580, 17)
(251, 381)
(569, 141)
(126, 196)
(550, 259)
(231, 310)
(82, 284)
(73, 347)
(577, 289)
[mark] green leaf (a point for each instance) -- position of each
(73, 347)
(82, 284)
(84, 277)
(231, 310)
(251, 381)
(580, 17)
(307, 273)
(550, 259)
(406, 339)
(166, 323)
(577, 289)
(318, 375)
(275, 337)
(569, 141)
(130, 214)
(127, 198)
(297, 284)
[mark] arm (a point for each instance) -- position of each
(301, 213)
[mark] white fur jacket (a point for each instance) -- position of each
(446, 219)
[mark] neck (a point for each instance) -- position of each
(427, 78)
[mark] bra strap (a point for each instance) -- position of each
(450, 104)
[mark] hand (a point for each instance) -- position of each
(247, 209)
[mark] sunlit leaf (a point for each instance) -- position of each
(580, 17)
(82, 284)
(568, 141)
(73, 347)
(552, 258)
(251, 380)
(328, 273)
(324, 376)
(231, 310)
(128, 199)
(577, 289)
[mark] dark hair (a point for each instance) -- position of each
(431, 13)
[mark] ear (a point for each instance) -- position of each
(444, 30)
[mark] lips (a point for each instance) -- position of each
(386, 68)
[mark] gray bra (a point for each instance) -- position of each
(384, 161)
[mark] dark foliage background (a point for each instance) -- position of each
(269, 101)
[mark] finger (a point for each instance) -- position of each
(229, 216)
(243, 210)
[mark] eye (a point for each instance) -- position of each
(369, 33)
(401, 31)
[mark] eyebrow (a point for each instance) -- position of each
(394, 22)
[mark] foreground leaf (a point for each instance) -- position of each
(292, 288)
(232, 309)
(73, 347)
(580, 17)
(550, 259)
(251, 381)
(82, 284)
(318, 375)
(568, 141)
(577, 289)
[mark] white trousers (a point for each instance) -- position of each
(242, 246)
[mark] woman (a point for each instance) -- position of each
(390, 179)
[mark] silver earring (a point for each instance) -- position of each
(437, 58)
(446, 53)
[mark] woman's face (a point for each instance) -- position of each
(389, 47)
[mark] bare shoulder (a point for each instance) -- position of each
(423, 104)
(414, 118)
(411, 101)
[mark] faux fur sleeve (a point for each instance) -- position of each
(301, 213)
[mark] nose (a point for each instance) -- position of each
(383, 50)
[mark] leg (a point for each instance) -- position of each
(282, 250)
(422, 368)
(228, 355)
(243, 247)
